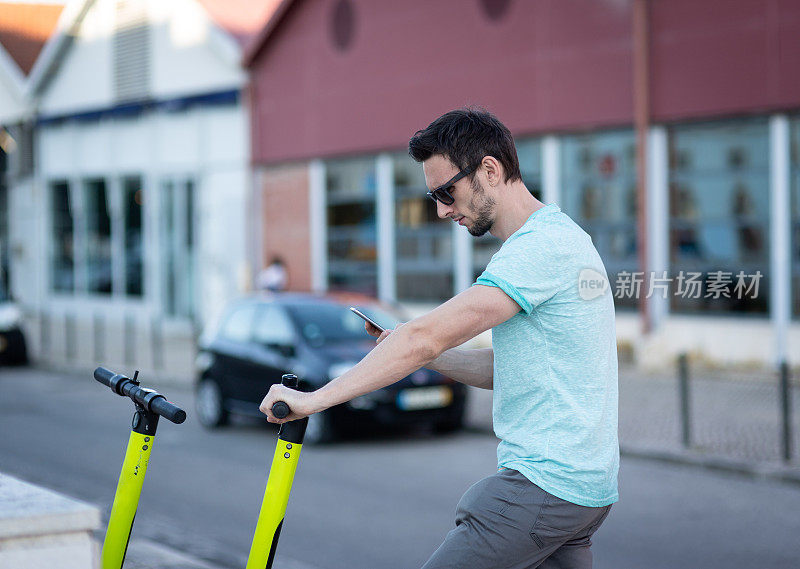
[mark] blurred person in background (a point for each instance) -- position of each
(273, 277)
(552, 364)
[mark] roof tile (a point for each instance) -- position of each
(24, 28)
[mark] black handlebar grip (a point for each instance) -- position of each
(280, 409)
(104, 376)
(170, 412)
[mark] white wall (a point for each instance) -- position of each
(193, 55)
(12, 102)
(84, 80)
(189, 56)
(721, 341)
(11, 106)
(26, 226)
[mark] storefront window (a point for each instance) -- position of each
(177, 214)
(424, 242)
(87, 226)
(133, 199)
(62, 245)
(795, 218)
(719, 217)
(598, 176)
(529, 152)
(350, 190)
(97, 243)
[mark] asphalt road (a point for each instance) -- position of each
(381, 502)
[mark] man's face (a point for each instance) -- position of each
(473, 207)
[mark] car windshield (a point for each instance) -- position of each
(325, 323)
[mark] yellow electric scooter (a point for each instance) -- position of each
(149, 406)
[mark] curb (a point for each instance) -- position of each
(760, 471)
(145, 553)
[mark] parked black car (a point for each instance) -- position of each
(13, 349)
(260, 338)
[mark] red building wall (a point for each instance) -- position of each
(544, 65)
(723, 57)
(285, 211)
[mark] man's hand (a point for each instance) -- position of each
(300, 404)
(381, 336)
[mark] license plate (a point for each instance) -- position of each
(424, 398)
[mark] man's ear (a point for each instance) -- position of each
(494, 170)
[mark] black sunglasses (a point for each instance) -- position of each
(442, 193)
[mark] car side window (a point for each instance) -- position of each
(238, 326)
(273, 326)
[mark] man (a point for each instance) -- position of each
(552, 365)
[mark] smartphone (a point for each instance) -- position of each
(367, 318)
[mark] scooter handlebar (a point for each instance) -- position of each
(280, 409)
(147, 398)
(104, 376)
(167, 410)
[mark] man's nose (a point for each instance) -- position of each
(443, 210)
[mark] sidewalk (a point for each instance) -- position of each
(148, 554)
(734, 416)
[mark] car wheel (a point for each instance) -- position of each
(22, 357)
(209, 404)
(451, 425)
(319, 430)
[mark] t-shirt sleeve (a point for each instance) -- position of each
(529, 270)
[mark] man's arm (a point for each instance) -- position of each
(410, 347)
(473, 367)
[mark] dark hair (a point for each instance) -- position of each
(465, 136)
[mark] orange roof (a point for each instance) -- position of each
(243, 19)
(24, 28)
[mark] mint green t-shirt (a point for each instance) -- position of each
(555, 361)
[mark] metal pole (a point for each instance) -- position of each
(44, 340)
(683, 374)
(99, 338)
(69, 337)
(130, 340)
(786, 412)
(641, 119)
(156, 343)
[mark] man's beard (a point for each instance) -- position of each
(484, 212)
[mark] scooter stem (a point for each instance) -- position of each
(129, 488)
(276, 495)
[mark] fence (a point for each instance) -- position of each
(743, 416)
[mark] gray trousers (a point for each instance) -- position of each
(506, 522)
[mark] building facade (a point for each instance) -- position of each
(133, 227)
(668, 129)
